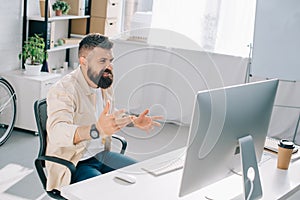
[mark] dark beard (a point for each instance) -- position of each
(106, 79)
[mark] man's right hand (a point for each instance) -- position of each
(111, 123)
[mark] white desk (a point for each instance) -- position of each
(276, 184)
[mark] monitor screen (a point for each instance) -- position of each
(220, 118)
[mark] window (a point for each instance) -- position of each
(220, 26)
(131, 7)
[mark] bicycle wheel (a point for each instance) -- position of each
(7, 110)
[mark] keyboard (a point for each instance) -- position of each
(272, 145)
(171, 165)
(165, 167)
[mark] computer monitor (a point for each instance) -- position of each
(225, 122)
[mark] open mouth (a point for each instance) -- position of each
(107, 74)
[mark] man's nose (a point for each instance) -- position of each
(110, 66)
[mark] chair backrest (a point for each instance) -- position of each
(40, 111)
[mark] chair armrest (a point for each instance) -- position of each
(61, 161)
(123, 141)
(40, 170)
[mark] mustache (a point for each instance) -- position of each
(106, 79)
(106, 73)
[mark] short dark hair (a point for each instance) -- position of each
(92, 40)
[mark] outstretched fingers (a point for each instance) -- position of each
(144, 113)
(154, 123)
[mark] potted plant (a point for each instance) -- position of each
(34, 54)
(61, 7)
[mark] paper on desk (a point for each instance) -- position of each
(11, 174)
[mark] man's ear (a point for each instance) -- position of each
(83, 61)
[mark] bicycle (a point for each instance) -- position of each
(8, 110)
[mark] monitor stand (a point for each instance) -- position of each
(252, 186)
(247, 188)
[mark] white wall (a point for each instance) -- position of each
(276, 55)
(10, 34)
(276, 40)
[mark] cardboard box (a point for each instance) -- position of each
(105, 26)
(105, 8)
(78, 26)
(77, 7)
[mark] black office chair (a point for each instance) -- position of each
(40, 111)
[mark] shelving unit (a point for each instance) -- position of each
(46, 27)
(100, 16)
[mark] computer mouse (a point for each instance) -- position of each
(126, 177)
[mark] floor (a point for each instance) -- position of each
(21, 149)
(18, 153)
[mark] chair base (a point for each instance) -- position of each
(55, 194)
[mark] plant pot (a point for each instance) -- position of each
(58, 12)
(33, 70)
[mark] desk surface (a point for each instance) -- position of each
(276, 183)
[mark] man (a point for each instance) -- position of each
(79, 128)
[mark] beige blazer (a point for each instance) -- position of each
(70, 103)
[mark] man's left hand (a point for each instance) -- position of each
(145, 122)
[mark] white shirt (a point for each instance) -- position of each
(95, 146)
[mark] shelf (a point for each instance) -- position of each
(62, 47)
(77, 36)
(57, 18)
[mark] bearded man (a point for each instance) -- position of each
(82, 118)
